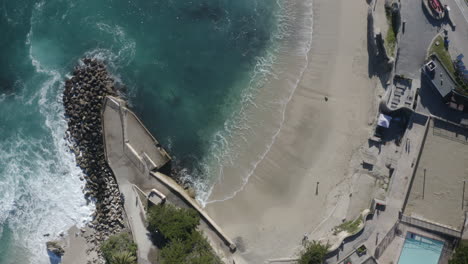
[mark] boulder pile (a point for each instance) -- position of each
(55, 248)
(83, 99)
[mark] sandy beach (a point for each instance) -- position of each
(313, 145)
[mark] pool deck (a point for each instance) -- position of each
(393, 252)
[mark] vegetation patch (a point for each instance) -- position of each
(391, 37)
(462, 85)
(172, 222)
(443, 54)
(313, 253)
(182, 242)
(119, 249)
(461, 255)
(349, 226)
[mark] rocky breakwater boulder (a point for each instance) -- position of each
(55, 248)
(83, 99)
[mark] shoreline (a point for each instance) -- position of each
(265, 112)
(315, 144)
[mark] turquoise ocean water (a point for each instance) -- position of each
(187, 66)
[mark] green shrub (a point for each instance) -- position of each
(113, 248)
(173, 223)
(186, 245)
(174, 253)
(391, 37)
(460, 256)
(350, 226)
(123, 257)
(194, 250)
(313, 253)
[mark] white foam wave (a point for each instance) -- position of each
(126, 47)
(224, 150)
(40, 190)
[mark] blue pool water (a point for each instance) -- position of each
(420, 250)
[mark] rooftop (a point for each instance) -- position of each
(441, 79)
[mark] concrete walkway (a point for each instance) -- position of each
(127, 144)
(126, 174)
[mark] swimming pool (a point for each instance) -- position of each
(420, 250)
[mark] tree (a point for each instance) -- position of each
(124, 257)
(313, 253)
(194, 250)
(174, 253)
(460, 256)
(185, 244)
(173, 223)
(116, 245)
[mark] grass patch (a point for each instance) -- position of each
(390, 38)
(443, 55)
(349, 226)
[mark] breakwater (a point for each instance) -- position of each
(83, 99)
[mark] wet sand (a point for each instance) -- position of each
(313, 142)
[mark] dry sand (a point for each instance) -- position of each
(77, 249)
(269, 216)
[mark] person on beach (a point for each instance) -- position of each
(305, 238)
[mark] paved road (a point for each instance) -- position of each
(463, 7)
(420, 29)
(459, 38)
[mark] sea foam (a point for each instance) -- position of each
(40, 189)
(235, 138)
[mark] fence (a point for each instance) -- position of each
(431, 226)
(446, 253)
(450, 131)
(379, 250)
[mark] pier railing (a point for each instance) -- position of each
(431, 226)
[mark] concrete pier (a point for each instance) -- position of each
(135, 156)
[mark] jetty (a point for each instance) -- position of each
(136, 159)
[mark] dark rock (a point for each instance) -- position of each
(83, 101)
(55, 248)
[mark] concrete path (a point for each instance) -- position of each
(136, 216)
(126, 173)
